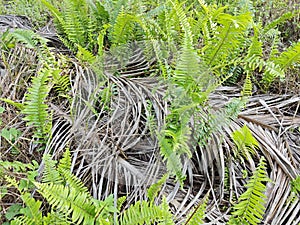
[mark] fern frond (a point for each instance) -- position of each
(187, 72)
(65, 162)
(17, 166)
(196, 216)
(174, 142)
(19, 106)
(255, 48)
(146, 213)
(32, 210)
(50, 174)
(250, 207)
(155, 188)
(271, 72)
(288, 57)
(74, 25)
(183, 20)
(28, 37)
(56, 218)
(23, 220)
(247, 88)
(61, 82)
(123, 28)
(78, 22)
(35, 108)
(274, 35)
(227, 37)
(244, 141)
(274, 23)
(73, 181)
(70, 201)
(120, 202)
(84, 55)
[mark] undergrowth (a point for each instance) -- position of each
(198, 46)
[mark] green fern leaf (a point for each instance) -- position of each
(65, 162)
(250, 207)
(32, 210)
(146, 213)
(272, 71)
(70, 201)
(183, 20)
(23, 220)
(35, 108)
(288, 57)
(227, 37)
(123, 28)
(73, 181)
(19, 106)
(27, 37)
(247, 88)
(197, 215)
(280, 20)
(188, 69)
(50, 174)
(244, 141)
(155, 188)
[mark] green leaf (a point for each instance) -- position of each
(10, 134)
(13, 211)
(1, 109)
(244, 141)
(250, 207)
(155, 188)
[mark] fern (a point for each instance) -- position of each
(69, 200)
(244, 142)
(61, 83)
(79, 22)
(146, 213)
(17, 166)
(283, 18)
(35, 107)
(28, 37)
(123, 28)
(250, 207)
(65, 162)
(173, 141)
(50, 174)
(274, 35)
(247, 88)
(155, 188)
(196, 216)
(272, 71)
(33, 209)
(183, 20)
(288, 57)
(187, 69)
(227, 37)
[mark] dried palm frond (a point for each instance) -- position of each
(111, 126)
(115, 151)
(10, 22)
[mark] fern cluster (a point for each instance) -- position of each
(69, 198)
(250, 207)
(79, 22)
